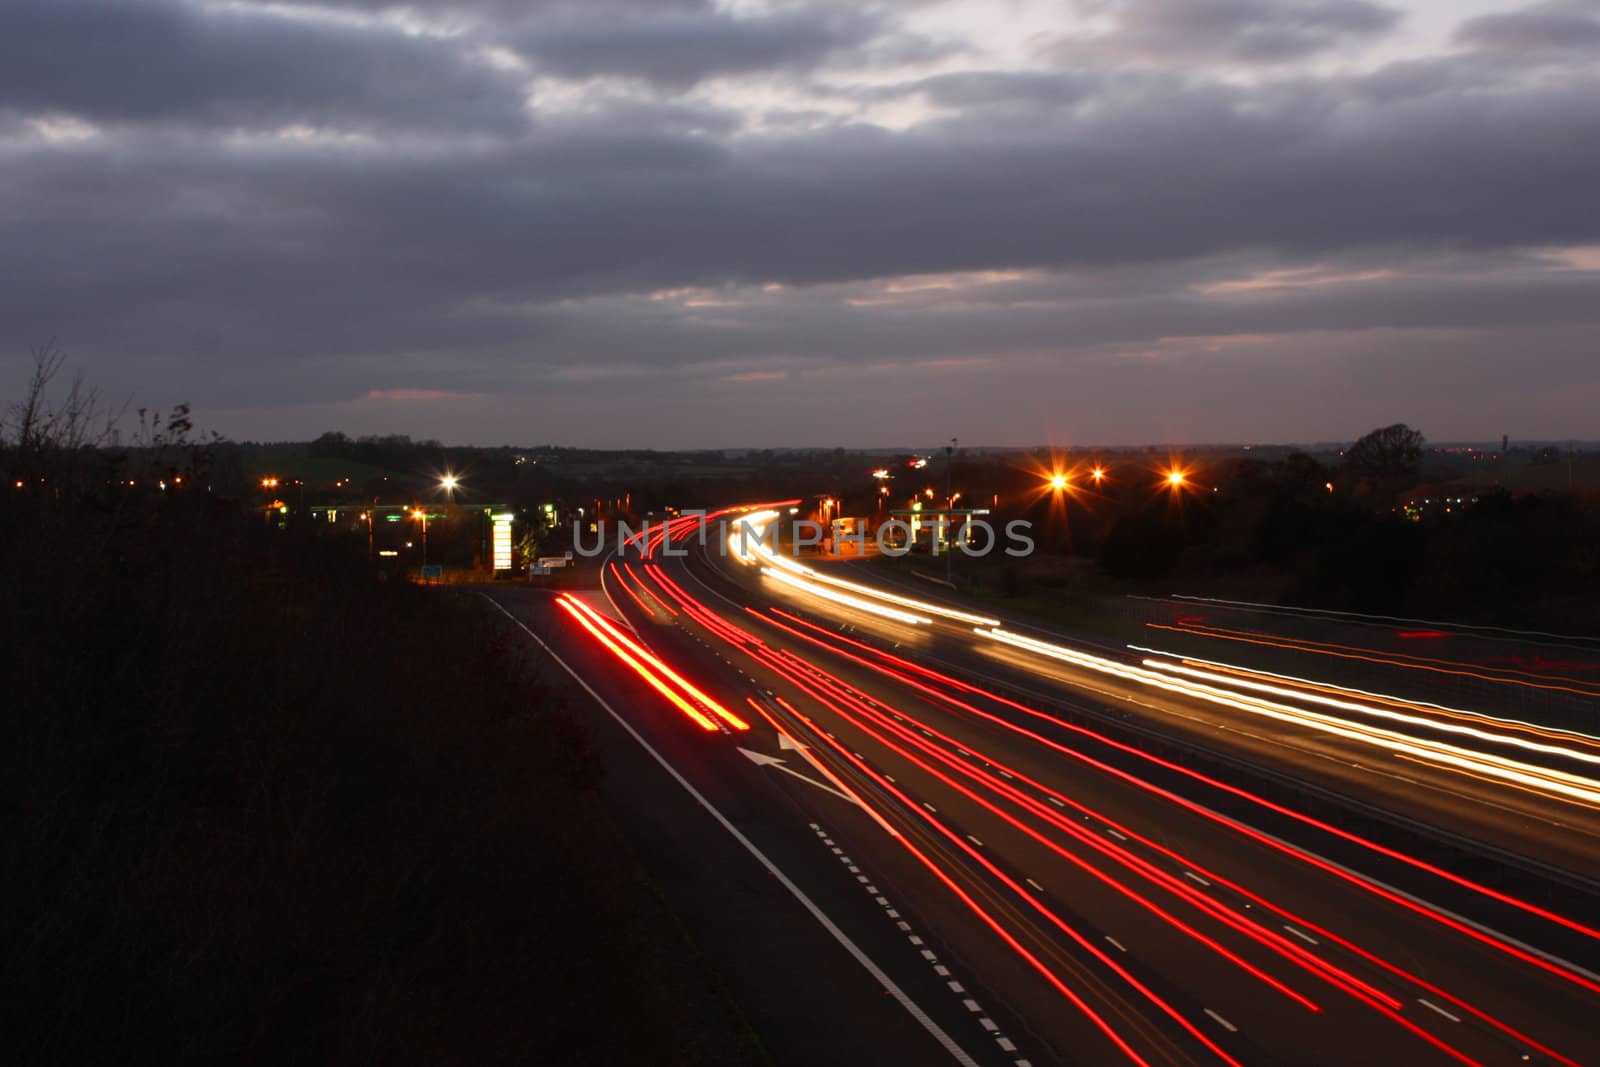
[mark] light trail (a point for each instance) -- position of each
(741, 544)
(1267, 840)
(657, 664)
(639, 668)
(1557, 784)
(668, 608)
(767, 656)
(627, 589)
(894, 614)
(1077, 937)
(862, 702)
(1121, 855)
(1189, 864)
(1362, 991)
(1421, 663)
(1365, 709)
(1419, 706)
(796, 673)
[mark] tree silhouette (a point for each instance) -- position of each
(1386, 460)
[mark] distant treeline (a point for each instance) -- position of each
(1486, 557)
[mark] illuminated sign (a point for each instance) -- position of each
(501, 542)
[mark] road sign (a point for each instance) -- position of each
(431, 571)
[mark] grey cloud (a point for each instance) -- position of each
(1239, 31)
(268, 272)
(163, 60)
(681, 49)
(1561, 25)
(286, 251)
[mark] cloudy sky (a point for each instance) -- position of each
(785, 222)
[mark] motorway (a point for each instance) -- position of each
(964, 840)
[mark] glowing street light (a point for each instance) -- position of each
(1058, 482)
(1176, 478)
(419, 514)
(1098, 474)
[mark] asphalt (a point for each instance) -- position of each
(1039, 924)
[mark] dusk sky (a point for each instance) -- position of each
(680, 223)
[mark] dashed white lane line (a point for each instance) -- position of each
(1196, 878)
(989, 1025)
(1056, 802)
(1118, 944)
(1301, 934)
(1113, 833)
(1441, 1011)
(974, 840)
(1232, 1029)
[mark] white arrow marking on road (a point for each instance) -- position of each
(787, 742)
(761, 759)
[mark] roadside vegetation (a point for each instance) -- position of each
(259, 807)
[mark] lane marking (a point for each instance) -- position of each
(1232, 1029)
(1117, 943)
(1430, 1004)
(933, 1029)
(1196, 878)
(1035, 885)
(1301, 934)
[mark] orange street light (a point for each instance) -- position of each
(1176, 478)
(1098, 474)
(1058, 482)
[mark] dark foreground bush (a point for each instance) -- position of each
(261, 808)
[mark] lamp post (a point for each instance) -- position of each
(949, 462)
(423, 516)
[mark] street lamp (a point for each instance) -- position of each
(1098, 474)
(1176, 478)
(1058, 482)
(418, 513)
